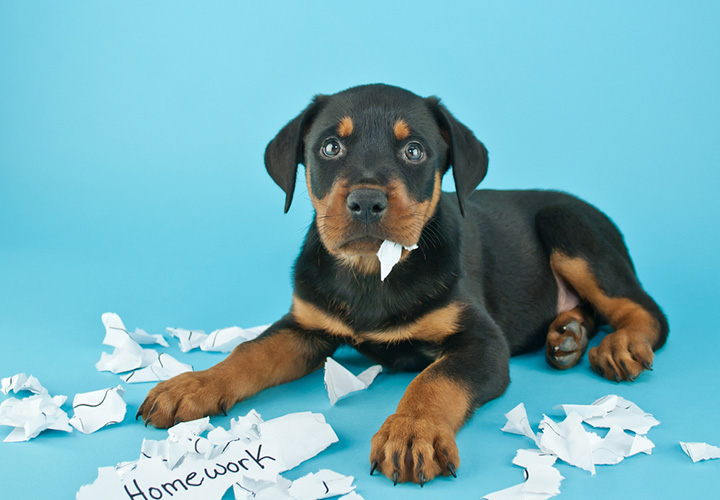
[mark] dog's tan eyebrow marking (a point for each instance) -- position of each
(345, 127)
(401, 129)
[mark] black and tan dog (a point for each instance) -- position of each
(496, 273)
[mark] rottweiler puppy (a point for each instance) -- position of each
(494, 274)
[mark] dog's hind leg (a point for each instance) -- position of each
(587, 252)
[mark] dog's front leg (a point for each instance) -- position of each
(283, 353)
(417, 442)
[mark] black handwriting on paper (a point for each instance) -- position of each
(195, 479)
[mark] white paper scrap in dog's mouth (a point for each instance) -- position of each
(389, 254)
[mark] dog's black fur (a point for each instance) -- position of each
(496, 273)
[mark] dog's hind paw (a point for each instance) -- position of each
(622, 355)
(567, 341)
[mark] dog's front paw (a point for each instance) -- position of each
(188, 396)
(622, 355)
(414, 449)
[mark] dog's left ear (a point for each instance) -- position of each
(467, 155)
(287, 149)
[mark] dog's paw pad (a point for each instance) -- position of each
(566, 343)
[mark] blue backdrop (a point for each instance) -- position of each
(131, 180)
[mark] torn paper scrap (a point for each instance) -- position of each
(186, 430)
(340, 382)
(32, 415)
(700, 451)
(226, 339)
(241, 428)
(542, 480)
(144, 338)
(97, 409)
(612, 410)
(185, 439)
(163, 367)
(618, 445)
(322, 484)
(189, 339)
(569, 441)
(351, 496)
(518, 423)
(303, 435)
(195, 478)
(247, 489)
(115, 331)
(210, 467)
(389, 254)
(128, 355)
(525, 458)
(22, 382)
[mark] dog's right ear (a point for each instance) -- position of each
(287, 149)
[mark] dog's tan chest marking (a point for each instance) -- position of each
(433, 326)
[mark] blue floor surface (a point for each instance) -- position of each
(132, 181)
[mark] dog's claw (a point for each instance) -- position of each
(223, 409)
(647, 365)
(451, 468)
(137, 415)
(396, 476)
(373, 466)
(421, 478)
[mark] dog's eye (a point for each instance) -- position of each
(414, 152)
(330, 148)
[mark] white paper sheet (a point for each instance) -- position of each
(569, 441)
(192, 466)
(700, 451)
(612, 410)
(128, 354)
(351, 496)
(22, 382)
(164, 367)
(518, 423)
(322, 484)
(189, 339)
(303, 435)
(340, 382)
(618, 445)
(389, 254)
(144, 338)
(32, 415)
(226, 339)
(97, 409)
(542, 480)
(247, 489)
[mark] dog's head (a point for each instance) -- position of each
(374, 158)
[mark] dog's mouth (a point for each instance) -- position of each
(363, 245)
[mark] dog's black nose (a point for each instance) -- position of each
(367, 205)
